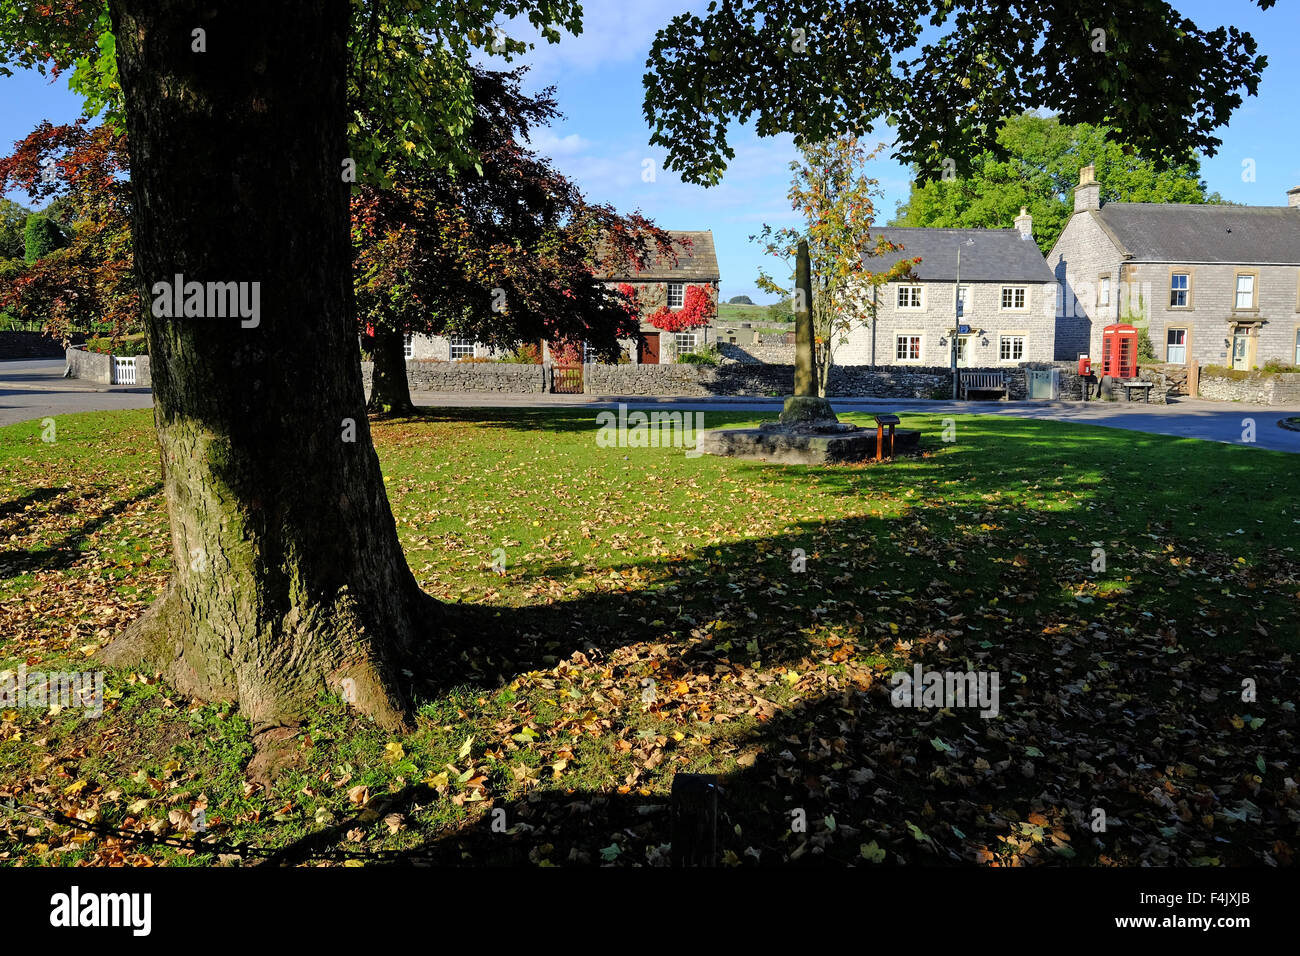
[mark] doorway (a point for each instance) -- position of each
(648, 353)
(1241, 351)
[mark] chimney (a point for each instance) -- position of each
(1025, 223)
(1087, 195)
(1293, 197)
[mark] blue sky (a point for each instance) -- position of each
(602, 141)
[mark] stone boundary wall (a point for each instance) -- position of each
(91, 366)
(29, 345)
(756, 354)
(97, 367)
(1255, 388)
(846, 381)
(470, 377)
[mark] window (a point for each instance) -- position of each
(1103, 290)
(1013, 297)
(462, 348)
(1179, 287)
(907, 348)
(408, 350)
(1297, 346)
(909, 296)
(1011, 348)
(1245, 292)
(676, 295)
(1176, 346)
(963, 300)
(685, 342)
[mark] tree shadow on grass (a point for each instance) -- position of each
(1102, 706)
(8, 508)
(67, 552)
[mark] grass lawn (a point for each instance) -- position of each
(739, 312)
(650, 621)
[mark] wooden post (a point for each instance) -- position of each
(1193, 378)
(695, 819)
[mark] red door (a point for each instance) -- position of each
(649, 350)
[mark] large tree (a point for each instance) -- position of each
(1039, 171)
(943, 73)
(504, 253)
(288, 577)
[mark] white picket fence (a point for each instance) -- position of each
(123, 370)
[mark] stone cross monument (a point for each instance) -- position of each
(805, 406)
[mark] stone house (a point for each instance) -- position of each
(1216, 283)
(665, 283)
(1007, 308)
(658, 284)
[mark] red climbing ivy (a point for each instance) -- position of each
(697, 310)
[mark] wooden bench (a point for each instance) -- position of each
(982, 382)
(1143, 387)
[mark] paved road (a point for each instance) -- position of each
(1187, 418)
(35, 388)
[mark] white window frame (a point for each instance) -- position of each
(909, 290)
(1169, 346)
(1236, 298)
(1012, 338)
(1297, 346)
(1014, 289)
(1185, 291)
(408, 347)
(691, 339)
(459, 344)
(1103, 291)
(920, 347)
(962, 295)
(680, 289)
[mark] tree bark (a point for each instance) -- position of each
(390, 392)
(289, 580)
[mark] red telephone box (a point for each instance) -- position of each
(1119, 349)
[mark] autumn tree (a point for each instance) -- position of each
(83, 282)
(1039, 171)
(834, 197)
(503, 253)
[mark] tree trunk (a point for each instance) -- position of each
(390, 392)
(289, 580)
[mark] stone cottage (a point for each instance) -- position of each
(1006, 289)
(665, 283)
(1216, 283)
(657, 285)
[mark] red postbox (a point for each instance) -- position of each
(1119, 346)
(1085, 366)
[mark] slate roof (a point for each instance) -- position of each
(699, 264)
(997, 255)
(1186, 232)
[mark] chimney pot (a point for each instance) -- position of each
(1025, 223)
(1087, 195)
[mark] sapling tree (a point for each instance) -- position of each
(834, 197)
